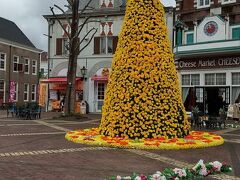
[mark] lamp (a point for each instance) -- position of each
(84, 72)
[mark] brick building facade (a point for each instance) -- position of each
(19, 65)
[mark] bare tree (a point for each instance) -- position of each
(74, 44)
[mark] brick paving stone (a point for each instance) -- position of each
(50, 156)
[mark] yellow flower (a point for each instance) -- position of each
(143, 90)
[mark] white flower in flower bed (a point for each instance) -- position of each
(200, 166)
(180, 172)
(158, 176)
(123, 178)
(217, 165)
(138, 178)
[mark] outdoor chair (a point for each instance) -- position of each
(21, 112)
(212, 122)
(11, 108)
(35, 112)
(222, 120)
(197, 121)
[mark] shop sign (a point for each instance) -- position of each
(42, 94)
(105, 72)
(208, 63)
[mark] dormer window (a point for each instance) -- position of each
(228, 1)
(203, 3)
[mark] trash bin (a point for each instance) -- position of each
(83, 107)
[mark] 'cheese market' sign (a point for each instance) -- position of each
(207, 63)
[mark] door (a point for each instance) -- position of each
(200, 98)
(100, 93)
(217, 98)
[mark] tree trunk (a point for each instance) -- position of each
(72, 64)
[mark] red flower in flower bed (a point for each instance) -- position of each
(88, 139)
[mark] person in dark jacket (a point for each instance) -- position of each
(62, 103)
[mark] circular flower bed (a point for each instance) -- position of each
(196, 139)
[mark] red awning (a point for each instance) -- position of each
(57, 80)
(99, 78)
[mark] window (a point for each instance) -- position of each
(236, 33)
(189, 38)
(26, 66)
(221, 79)
(199, 95)
(62, 46)
(203, 3)
(2, 61)
(228, 1)
(195, 79)
(34, 88)
(65, 47)
(2, 91)
(186, 79)
(26, 91)
(34, 67)
(190, 79)
(105, 44)
(209, 79)
(236, 78)
(15, 63)
(215, 79)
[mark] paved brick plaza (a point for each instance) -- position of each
(36, 149)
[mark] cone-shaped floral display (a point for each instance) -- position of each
(143, 97)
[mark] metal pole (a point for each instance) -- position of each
(48, 75)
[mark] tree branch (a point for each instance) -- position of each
(68, 35)
(88, 41)
(68, 6)
(84, 38)
(68, 20)
(70, 2)
(85, 21)
(85, 7)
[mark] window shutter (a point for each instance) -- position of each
(59, 46)
(179, 37)
(190, 38)
(115, 41)
(96, 45)
(236, 33)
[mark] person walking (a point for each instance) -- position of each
(62, 104)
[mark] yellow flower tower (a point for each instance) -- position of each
(143, 98)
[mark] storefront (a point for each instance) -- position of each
(57, 91)
(210, 82)
(98, 86)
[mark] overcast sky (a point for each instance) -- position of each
(27, 14)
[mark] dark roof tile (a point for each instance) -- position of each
(11, 32)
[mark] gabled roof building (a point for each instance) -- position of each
(207, 53)
(96, 58)
(19, 65)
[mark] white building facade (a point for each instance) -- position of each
(207, 53)
(97, 57)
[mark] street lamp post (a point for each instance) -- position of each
(50, 23)
(84, 72)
